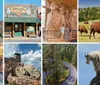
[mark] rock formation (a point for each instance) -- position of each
(96, 80)
(16, 73)
(54, 21)
(73, 20)
(56, 18)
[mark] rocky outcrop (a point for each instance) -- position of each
(24, 75)
(96, 80)
(16, 73)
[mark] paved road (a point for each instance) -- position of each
(44, 77)
(73, 75)
(71, 78)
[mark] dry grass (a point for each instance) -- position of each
(85, 37)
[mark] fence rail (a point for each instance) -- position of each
(7, 34)
(56, 34)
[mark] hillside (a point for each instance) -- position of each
(89, 13)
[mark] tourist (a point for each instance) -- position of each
(62, 31)
(67, 33)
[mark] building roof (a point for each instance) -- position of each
(22, 19)
(70, 4)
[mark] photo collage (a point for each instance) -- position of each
(49, 42)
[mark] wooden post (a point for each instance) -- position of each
(24, 29)
(12, 34)
(36, 29)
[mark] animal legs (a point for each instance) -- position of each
(94, 34)
(90, 33)
(81, 33)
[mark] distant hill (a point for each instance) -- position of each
(89, 13)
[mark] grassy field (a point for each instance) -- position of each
(85, 37)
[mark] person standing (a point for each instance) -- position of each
(62, 32)
(67, 33)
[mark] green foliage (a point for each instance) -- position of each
(1, 35)
(53, 81)
(89, 13)
(53, 57)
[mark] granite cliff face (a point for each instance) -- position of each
(16, 73)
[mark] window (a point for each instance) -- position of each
(16, 25)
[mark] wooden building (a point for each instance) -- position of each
(21, 20)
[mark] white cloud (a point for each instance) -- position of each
(32, 58)
(10, 49)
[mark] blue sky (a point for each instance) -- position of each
(30, 53)
(1, 9)
(86, 71)
(37, 2)
(27, 47)
(89, 3)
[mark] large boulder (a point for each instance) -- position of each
(24, 75)
(33, 71)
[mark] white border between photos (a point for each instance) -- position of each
(77, 43)
(41, 47)
(3, 45)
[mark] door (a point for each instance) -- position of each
(18, 29)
